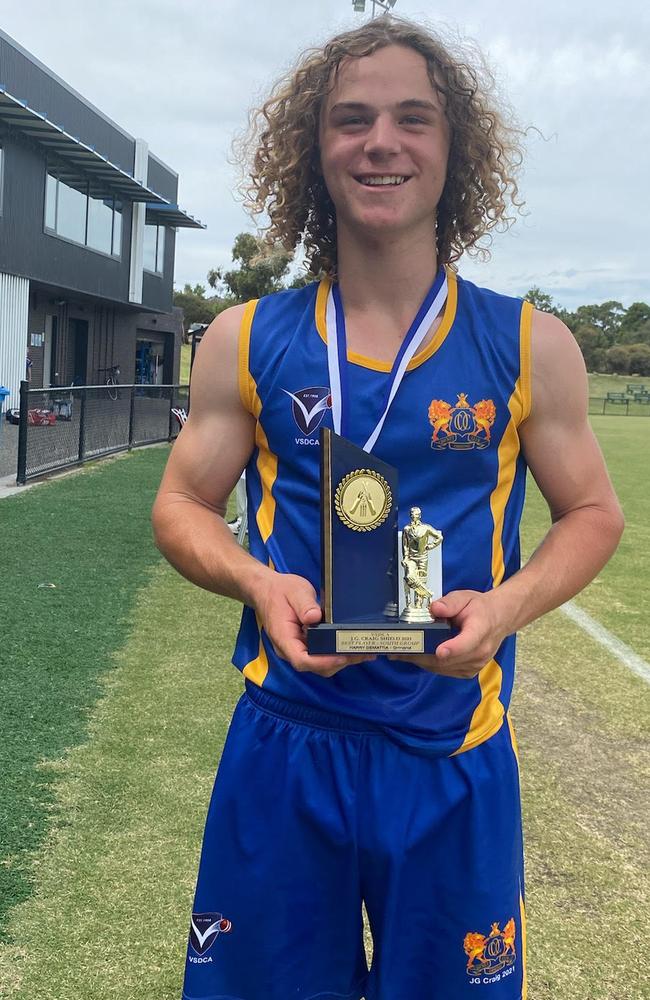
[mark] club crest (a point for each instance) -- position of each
(487, 955)
(309, 406)
(205, 929)
(462, 426)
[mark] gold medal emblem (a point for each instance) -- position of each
(363, 500)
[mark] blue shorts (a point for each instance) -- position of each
(313, 815)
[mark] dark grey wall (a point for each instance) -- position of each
(26, 249)
(162, 181)
(171, 324)
(112, 335)
(157, 290)
(26, 80)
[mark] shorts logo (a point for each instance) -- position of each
(487, 955)
(309, 406)
(205, 929)
(462, 426)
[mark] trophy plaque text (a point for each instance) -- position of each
(376, 582)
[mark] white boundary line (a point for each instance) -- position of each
(617, 648)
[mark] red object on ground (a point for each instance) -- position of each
(43, 418)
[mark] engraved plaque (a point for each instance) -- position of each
(380, 641)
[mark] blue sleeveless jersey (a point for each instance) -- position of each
(452, 433)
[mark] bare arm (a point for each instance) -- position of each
(188, 515)
(565, 459)
(203, 468)
(567, 464)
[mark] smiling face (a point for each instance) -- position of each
(384, 143)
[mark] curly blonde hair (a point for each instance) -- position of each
(281, 147)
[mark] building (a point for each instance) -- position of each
(88, 220)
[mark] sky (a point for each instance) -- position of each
(183, 75)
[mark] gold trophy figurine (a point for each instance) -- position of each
(418, 539)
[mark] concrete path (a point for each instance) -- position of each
(8, 486)
(8, 448)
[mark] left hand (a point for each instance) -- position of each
(473, 613)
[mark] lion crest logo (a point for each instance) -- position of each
(492, 953)
(462, 426)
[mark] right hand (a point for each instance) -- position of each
(287, 605)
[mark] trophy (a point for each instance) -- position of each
(376, 582)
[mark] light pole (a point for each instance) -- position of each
(360, 5)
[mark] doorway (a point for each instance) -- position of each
(154, 359)
(79, 336)
(50, 346)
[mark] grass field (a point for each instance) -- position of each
(83, 545)
(114, 738)
(186, 357)
(600, 385)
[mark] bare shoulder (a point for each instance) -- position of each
(559, 375)
(215, 369)
(223, 333)
(216, 442)
(557, 439)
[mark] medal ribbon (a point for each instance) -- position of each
(337, 354)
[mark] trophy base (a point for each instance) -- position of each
(377, 638)
(410, 615)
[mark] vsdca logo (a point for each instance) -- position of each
(205, 929)
(309, 406)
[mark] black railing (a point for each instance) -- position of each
(64, 427)
(620, 405)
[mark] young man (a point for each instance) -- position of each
(388, 781)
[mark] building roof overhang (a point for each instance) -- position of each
(105, 176)
(171, 215)
(76, 152)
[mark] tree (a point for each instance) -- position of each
(196, 307)
(544, 302)
(637, 315)
(639, 359)
(593, 344)
(618, 360)
(635, 325)
(541, 300)
(260, 271)
(606, 317)
(301, 280)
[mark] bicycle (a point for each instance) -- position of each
(112, 380)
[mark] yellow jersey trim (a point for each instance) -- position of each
(320, 316)
(488, 715)
(525, 361)
(513, 738)
(258, 668)
(247, 387)
(507, 455)
(267, 466)
(524, 945)
(522, 907)
(267, 462)
(374, 364)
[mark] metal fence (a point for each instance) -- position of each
(617, 404)
(64, 427)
